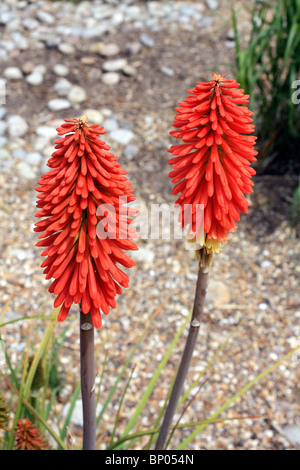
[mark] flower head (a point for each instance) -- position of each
(85, 227)
(28, 437)
(212, 165)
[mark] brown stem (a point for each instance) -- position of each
(87, 375)
(186, 356)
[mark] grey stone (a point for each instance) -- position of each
(129, 70)
(33, 158)
(48, 132)
(58, 104)
(17, 126)
(114, 65)
(131, 151)
(212, 4)
(292, 433)
(110, 124)
(13, 73)
(167, 71)
(77, 95)
(110, 78)
(3, 141)
(26, 171)
(61, 70)
(2, 112)
(45, 17)
(122, 136)
(109, 50)
(21, 254)
(66, 48)
(147, 40)
(94, 116)
(143, 255)
(133, 48)
(62, 87)
(35, 78)
(4, 154)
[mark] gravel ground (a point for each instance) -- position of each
(127, 64)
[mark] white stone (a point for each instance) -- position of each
(58, 104)
(77, 95)
(13, 73)
(35, 78)
(94, 116)
(114, 65)
(48, 132)
(25, 171)
(44, 17)
(122, 136)
(17, 126)
(61, 70)
(110, 78)
(62, 87)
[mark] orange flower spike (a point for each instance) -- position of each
(28, 437)
(212, 166)
(84, 176)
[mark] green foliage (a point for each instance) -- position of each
(267, 69)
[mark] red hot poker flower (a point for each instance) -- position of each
(212, 166)
(85, 226)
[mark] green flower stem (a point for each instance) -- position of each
(87, 374)
(186, 356)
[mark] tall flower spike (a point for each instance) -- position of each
(28, 437)
(85, 225)
(212, 166)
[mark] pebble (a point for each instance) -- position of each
(109, 50)
(45, 17)
(48, 132)
(110, 124)
(143, 255)
(26, 171)
(131, 151)
(17, 126)
(35, 78)
(13, 73)
(114, 65)
(147, 40)
(62, 87)
(122, 136)
(292, 433)
(167, 71)
(61, 70)
(212, 4)
(77, 95)
(110, 78)
(66, 48)
(94, 116)
(57, 104)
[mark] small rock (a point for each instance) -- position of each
(110, 124)
(129, 70)
(33, 158)
(45, 17)
(58, 104)
(66, 48)
(17, 126)
(114, 65)
(13, 73)
(77, 95)
(212, 4)
(62, 87)
(35, 78)
(3, 126)
(143, 255)
(4, 154)
(25, 171)
(131, 151)
(21, 254)
(110, 78)
(94, 116)
(122, 136)
(48, 132)
(133, 48)
(218, 293)
(28, 67)
(147, 40)
(292, 433)
(167, 71)
(61, 70)
(109, 50)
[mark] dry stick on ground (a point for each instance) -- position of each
(201, 288)
(87, 374)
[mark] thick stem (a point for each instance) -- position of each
(87, 374)
(186, 356)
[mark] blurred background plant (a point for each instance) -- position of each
(268, 68)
